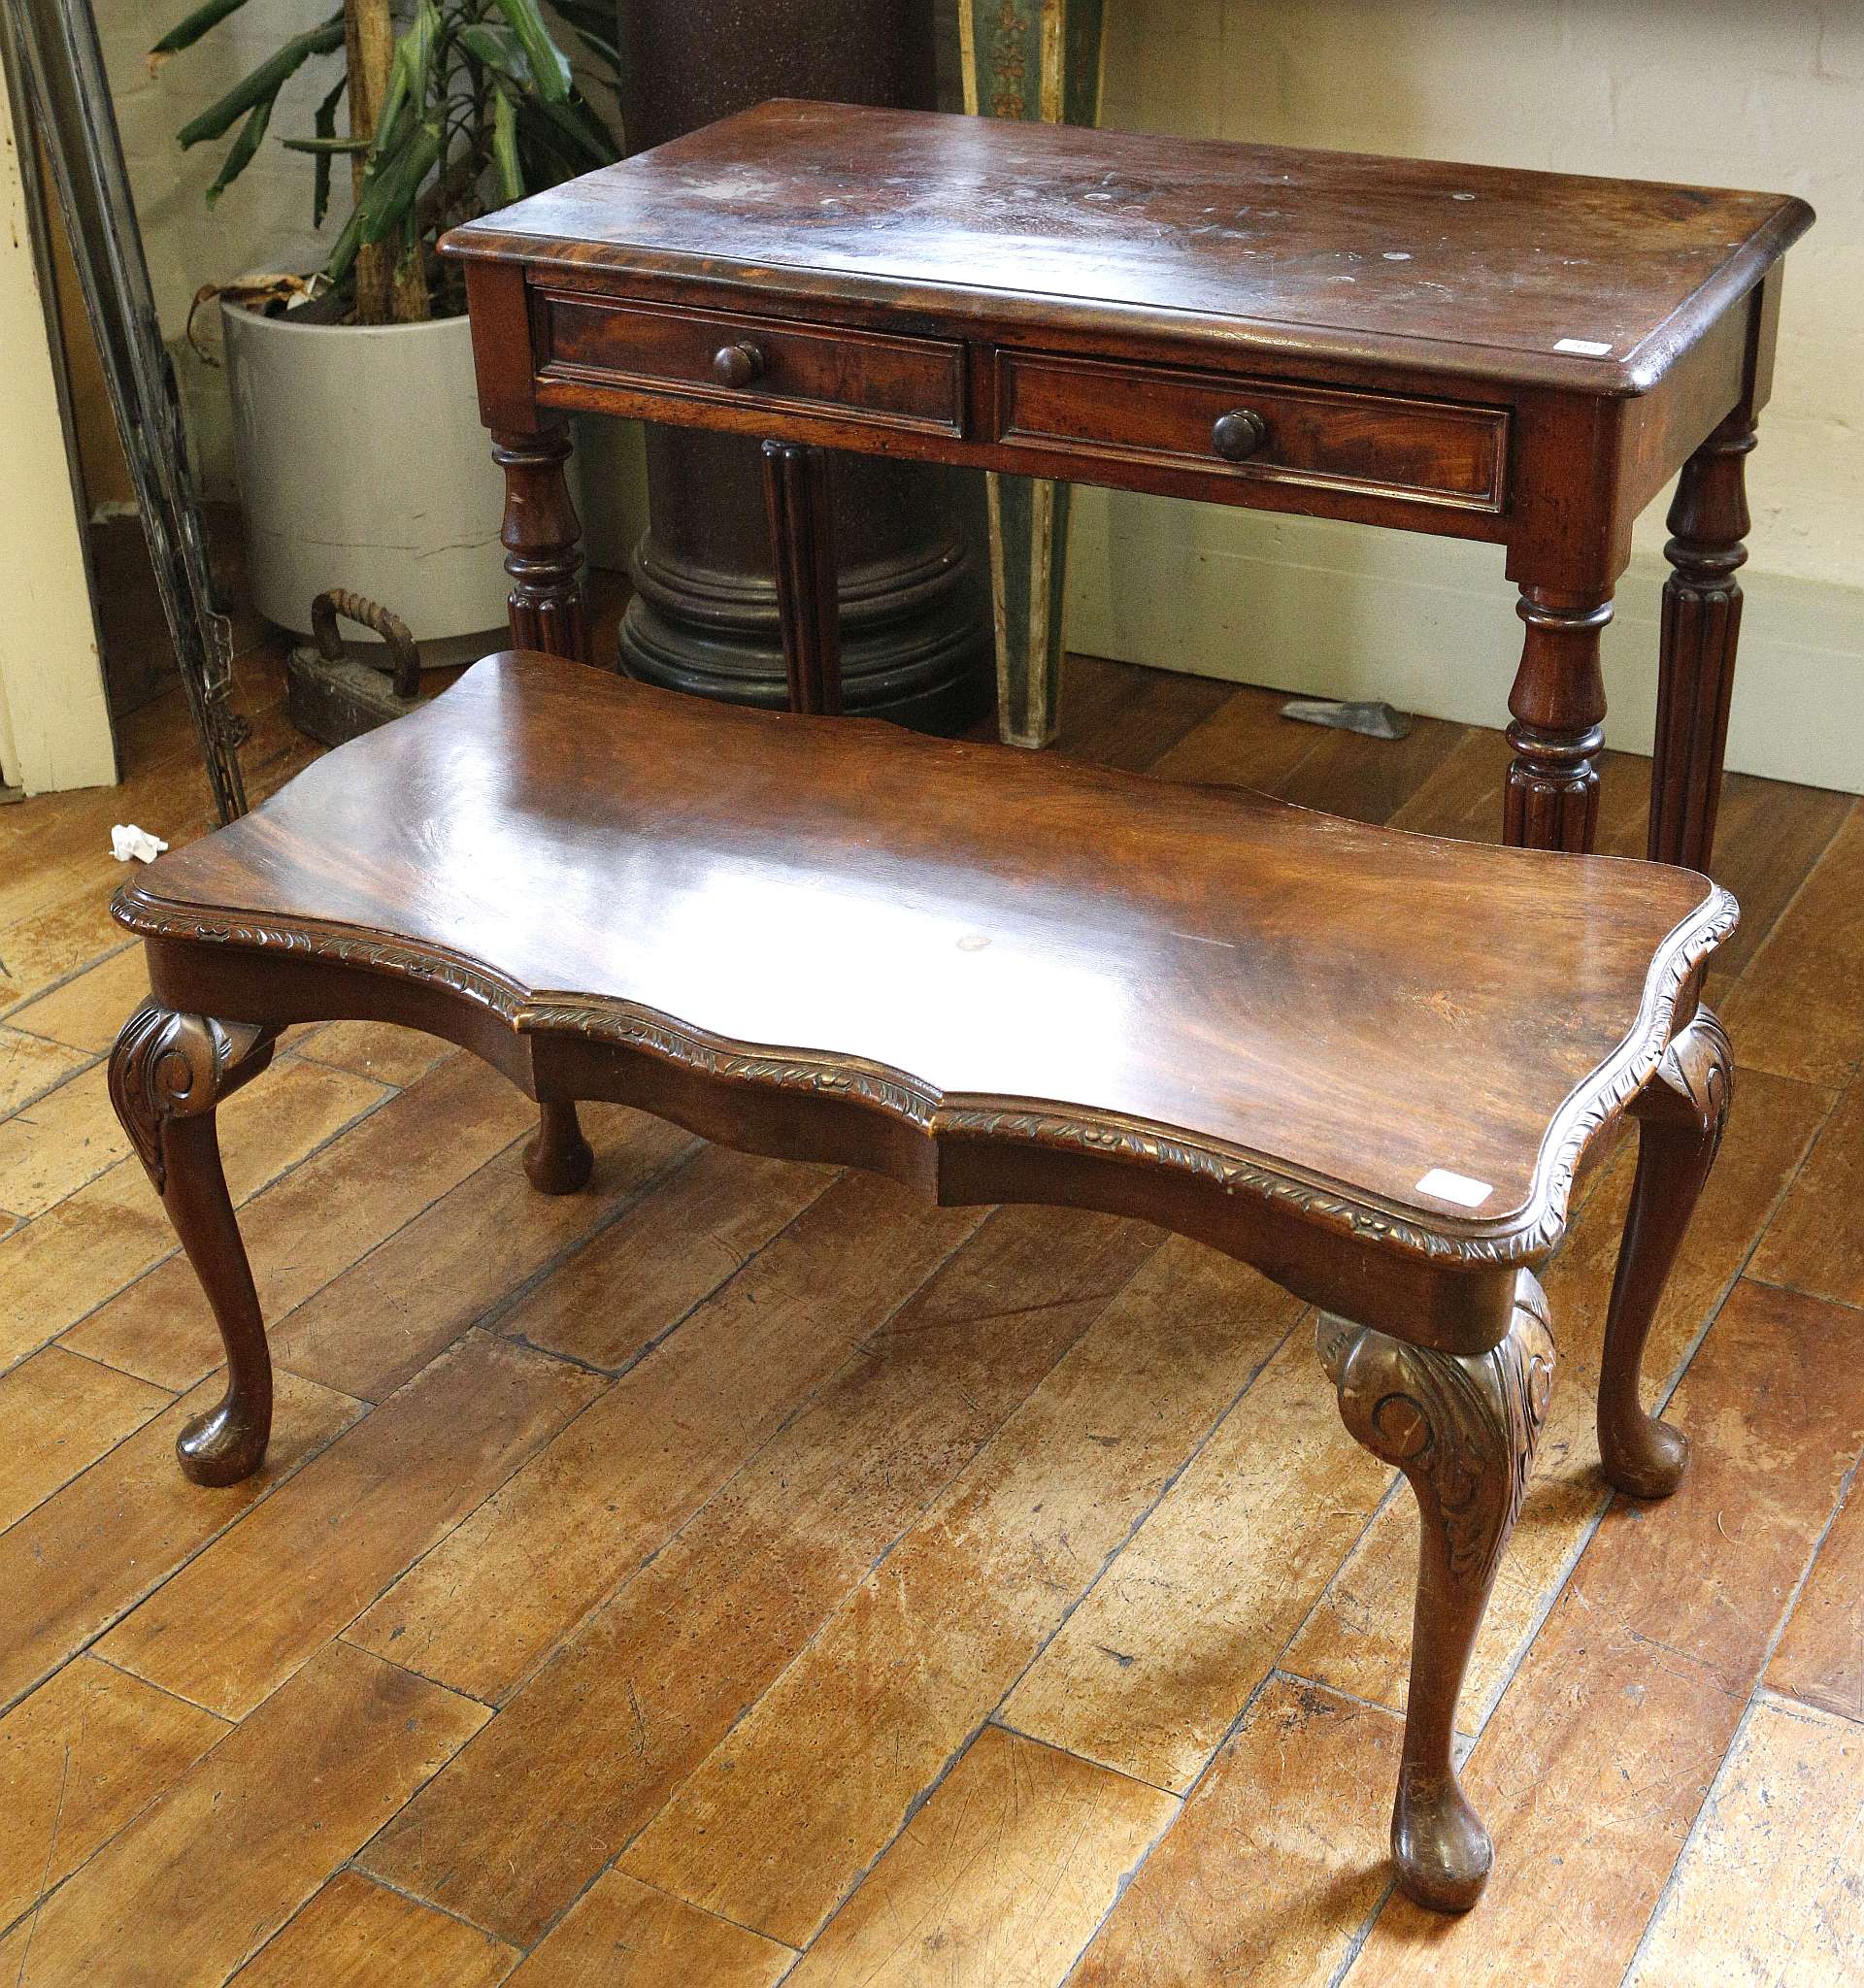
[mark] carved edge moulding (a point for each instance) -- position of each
(1522, 1238)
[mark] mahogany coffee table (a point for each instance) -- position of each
(1366, 1062)
(1522, 358)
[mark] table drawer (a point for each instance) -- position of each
(1385, 444)
(756, 361)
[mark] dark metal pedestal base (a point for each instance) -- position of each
(914, 617)
(911, 649)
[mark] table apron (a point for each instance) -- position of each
(569, 386)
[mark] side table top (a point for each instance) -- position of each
(1539, 278)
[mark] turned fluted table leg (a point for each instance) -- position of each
(1681, 1114)
(1559, 702)
(168, 1073)
(802, 544)
(542, 535)
(1701, 627)
(1463, 1429)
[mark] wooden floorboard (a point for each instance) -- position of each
(740, 1573)
(1767, 1889)
(340, 1938)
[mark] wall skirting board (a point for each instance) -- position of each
(1327, 609)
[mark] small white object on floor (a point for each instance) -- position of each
(127, 842)
(1371, 718)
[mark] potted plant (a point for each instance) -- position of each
(361, 460)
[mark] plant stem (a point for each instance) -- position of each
(369, 37)
(413, 303)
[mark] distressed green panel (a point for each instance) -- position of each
(1035, 60)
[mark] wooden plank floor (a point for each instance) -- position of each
(739, 1574)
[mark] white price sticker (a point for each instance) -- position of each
(1441, 1185)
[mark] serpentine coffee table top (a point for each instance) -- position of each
(1416, 1028)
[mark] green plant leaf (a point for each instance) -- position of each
(604, 51)
(499, 50)
(238, 155)
(585, 135)
(263, 85)
(405, 148)
(511, 172)
(388, 194)
(344, 253)
(593, 23)
(587, 17)
(541, 150)
(549, 158)
(582, 14)
(325, 125)
(550, 66)
(185, 33)
(479, 91)
(409, 75)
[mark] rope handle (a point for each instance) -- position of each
(403, 657)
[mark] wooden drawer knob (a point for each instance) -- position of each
(739, 364)
(1239, 434)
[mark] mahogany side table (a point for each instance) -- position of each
(1522, 358)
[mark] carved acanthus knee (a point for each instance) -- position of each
(1445, 1419)
(1694, 1084)
(167, 1066)
(1463, 1429)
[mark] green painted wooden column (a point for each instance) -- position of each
(1030, 59)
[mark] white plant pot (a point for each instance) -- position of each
(362, 464)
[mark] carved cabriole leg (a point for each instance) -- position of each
(558, 1160)
(168, 1073)
(1681, 1114)
(1701, 626)
(542, 537)
(1463, 1429)
(1559, 702)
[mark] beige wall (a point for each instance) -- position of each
(263, 220)
(55, 729)
(1758, 93)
